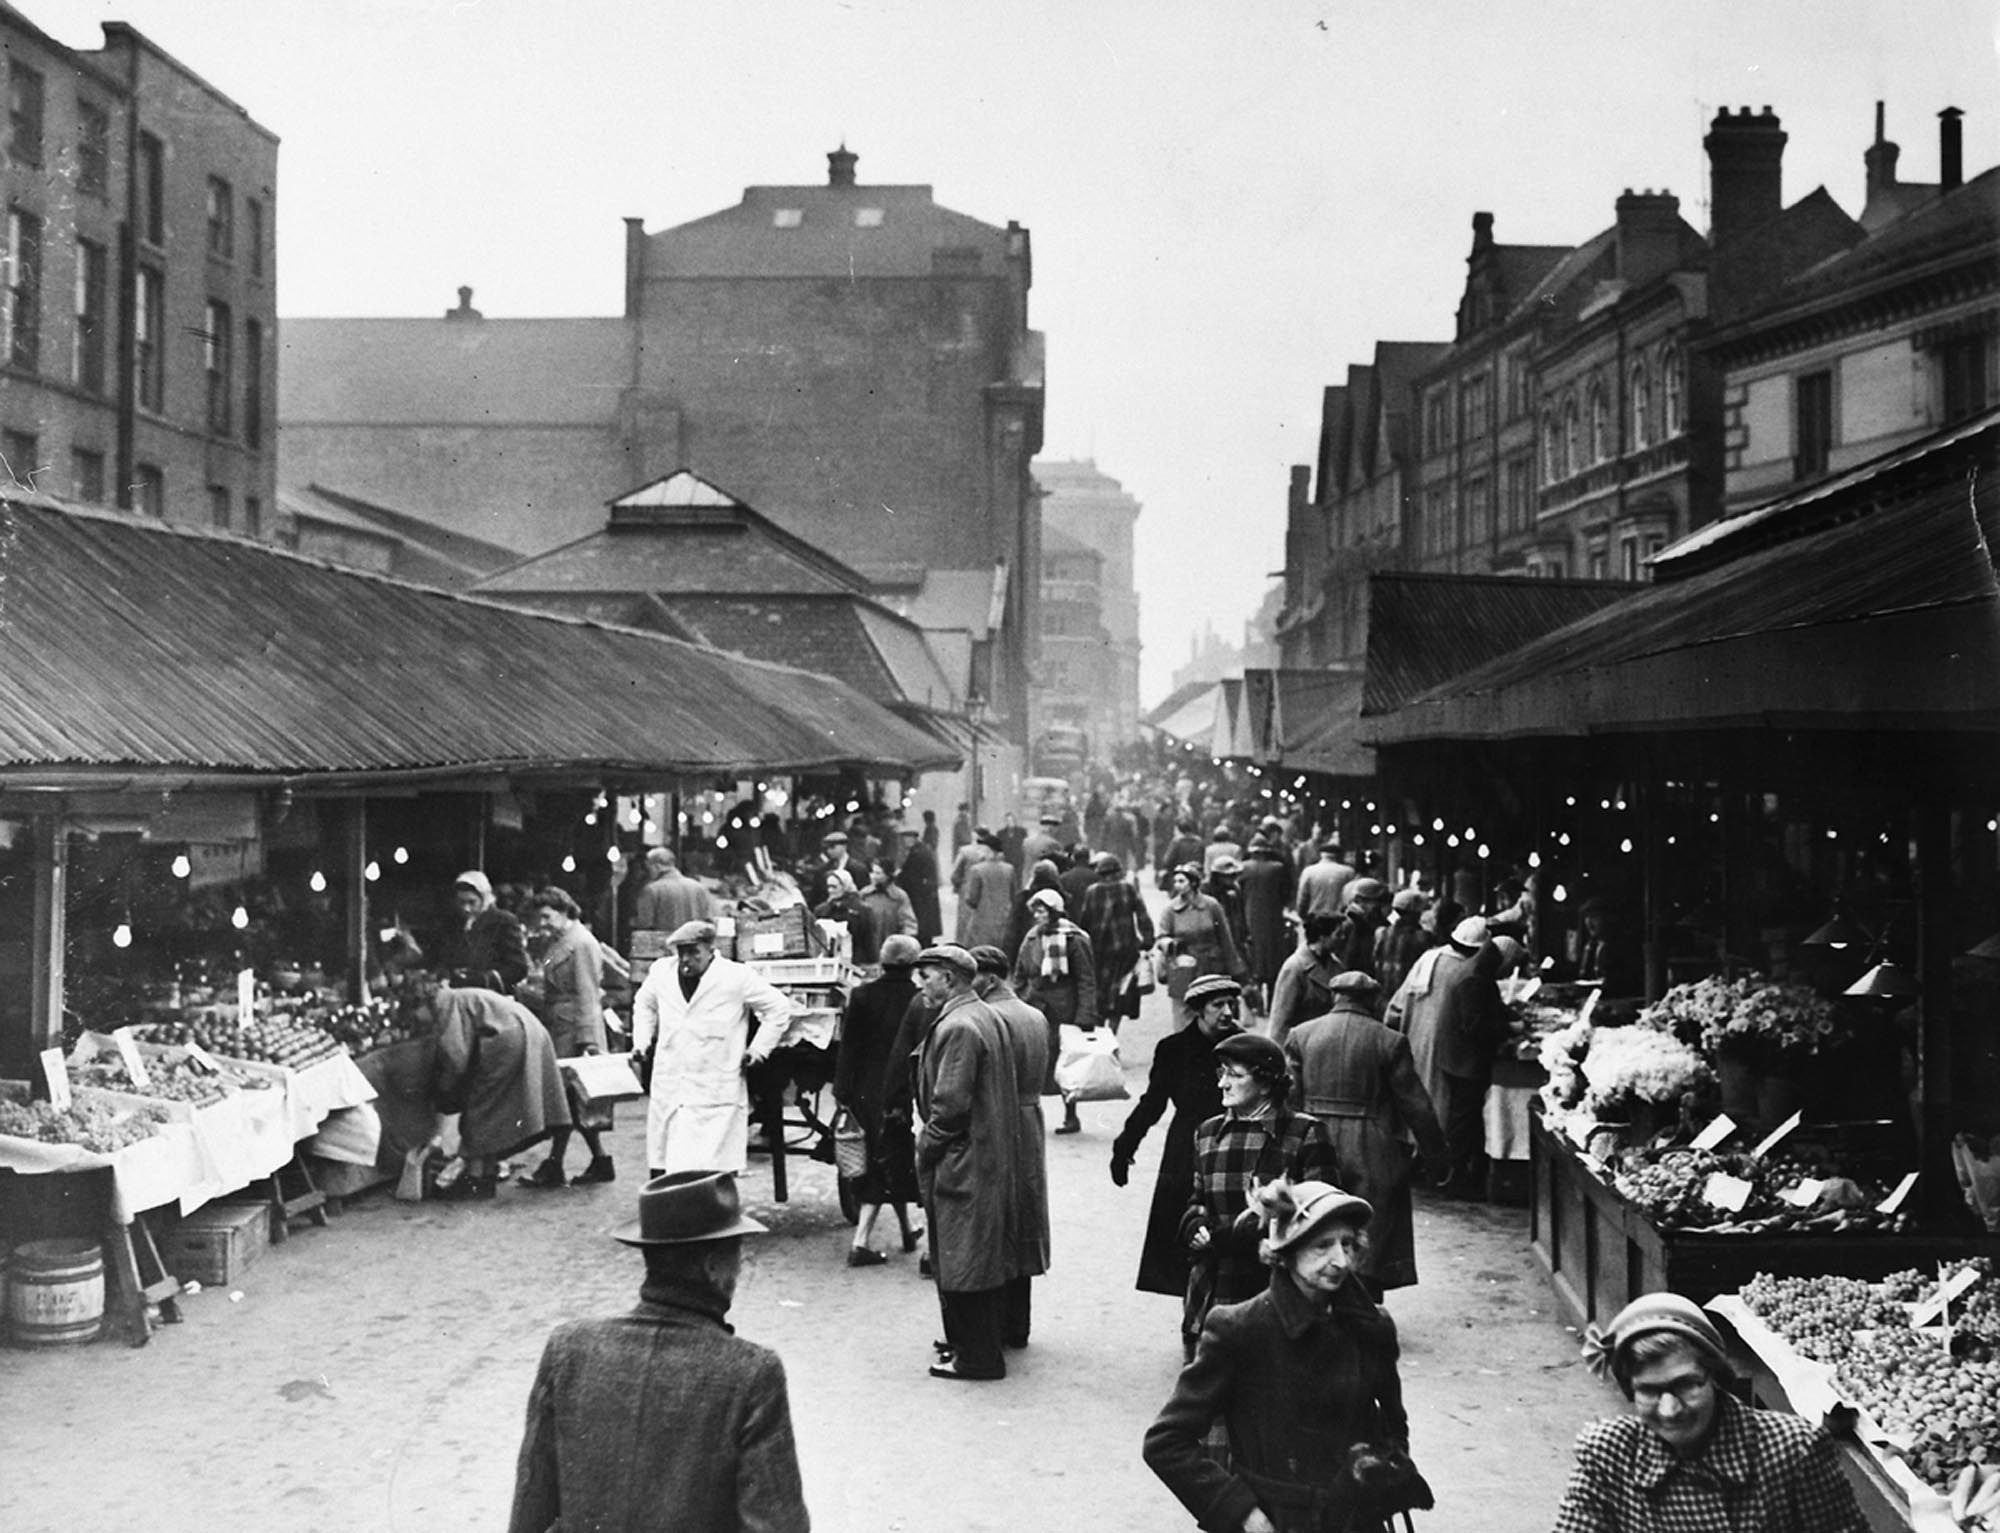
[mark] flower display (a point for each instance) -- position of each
(1639, 1063)
(1770, 1022)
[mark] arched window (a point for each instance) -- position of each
(1572, 438)
(1600, 424)
(1671, 393)
(1552, 461)
(1641, 404)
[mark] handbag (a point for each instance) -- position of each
(1087, 1066)
(850, 1146)
(1383, 1483)
(1143, 976)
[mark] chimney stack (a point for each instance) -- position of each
(465, 311)
(1951, 149)
(1649, 235)
(1746, 153)
(1880, 158)
(840, 167)
(1482, 230)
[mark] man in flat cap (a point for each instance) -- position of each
(662, 1418)
(967, 1104)
(693, 1016)
(1027, 1032)
(833, 856)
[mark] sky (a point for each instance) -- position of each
(1229, 203)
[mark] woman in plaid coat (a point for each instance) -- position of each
(1255, 1139)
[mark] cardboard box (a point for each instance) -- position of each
(216, 1243)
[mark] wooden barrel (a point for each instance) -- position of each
(55, 1292)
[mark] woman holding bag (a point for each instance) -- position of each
(1056, 973)
(1195, 937)
(570, 1003)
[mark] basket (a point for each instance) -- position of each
(850, 1146)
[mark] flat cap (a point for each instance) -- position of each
(948, 955)
(688, 933)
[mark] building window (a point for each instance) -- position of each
(253, 233)
(1962, 370)
(1572, 438)
(218, 506)
(1551, 449)
(1655, 541)
(1478, 511)
(1476, 406)
(1600, 423)
(221, 219)
(22, 453)
(152, 173)
(1520, 385)
(1556, 568)
(93, 149)
(215, 352)
(148, 316)
(1812, 424)
(867, 218)
(149, 490)
(1437, 509)
(1515, 507)
(24, 113)
(86, 475)
(1641, 402)
(253, 383)
(253, 517)
(1671, 389)
(787, 218)
(1600, 562)
(1628, 558)
(24, 289)
(87, 337)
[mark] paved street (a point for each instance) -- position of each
(373, 1374)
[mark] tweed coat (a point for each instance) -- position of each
(1266, 885)
(1183, 1077)
(1114, 915)
(970, 1110)
(1296, 1387)
(1304, 990)
(1231, 1153)
(986, 904)
(1070, 999)
(513, 1092)
(1028, 1036)
(657, 1419)
(1356, 1076)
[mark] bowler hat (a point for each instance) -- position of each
(899, 951)
(990, 959)
(683, 1207)
(688, 933)
(948, 955)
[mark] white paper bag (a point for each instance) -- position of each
(1088, 1068)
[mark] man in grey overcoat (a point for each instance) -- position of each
(662, 1418)
(966, 1101)
(1028, 1036)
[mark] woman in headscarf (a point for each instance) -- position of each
(1195, 936)
(1043, 874)
(483, 945)
(570, 1005)
(494, 1066)
(1303, 1377)
(888, 906)
(843, 903)
(1256, 1138)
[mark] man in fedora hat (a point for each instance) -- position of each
(662, 1418)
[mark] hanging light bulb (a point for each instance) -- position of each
(1437, 824)
(1625, 845)
(239, 918)
(1471, 834)
(1451, 840)
(591, 818)
(1563, 839)
(1374, 830)
(1485, 851)
(317, 883)
(1347, 803)
(1534, 859)
(613, 855)
(1571, 801)
(568, 863)
(182, 867)
(1832, 834)
(1604, 803)
(1561, 894)
(600, 802)
(121, 934)
(373, 871)
(402, 855)
(722, 841)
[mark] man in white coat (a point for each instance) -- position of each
(694, 1014)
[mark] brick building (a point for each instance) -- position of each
(1077, 674)
(1088, 505)
(853, 360)
(138, 321)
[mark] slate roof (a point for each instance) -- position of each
(133, 648)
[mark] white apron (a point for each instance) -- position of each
(699, 1115)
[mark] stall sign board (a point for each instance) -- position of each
(1726, 1192)
(1720, 1127)
(1804, 1195)
(1770, 1141)
(128, 1050)
(1589, 1005)
(1933, 1309)
(1895, 1199)
(56, 1074)
(202, 1057)
(246, 996)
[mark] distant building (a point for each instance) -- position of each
(138, 321)
(1893, 340)
(1088, 505)
(853, 360)
(1211, 657)
(1077, 675)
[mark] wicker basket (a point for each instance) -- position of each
(850, 1146)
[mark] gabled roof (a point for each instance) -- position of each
(1336, 428)
(1174, 701)
(1949, 225)
(1524, 268)
(141, 649)
(420, 551)
(1424, 629)
(1560, 270)
(950, 599)
(1398, 365)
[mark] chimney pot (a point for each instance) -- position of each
(1951, 149)
(840, 166)
(1746, 172)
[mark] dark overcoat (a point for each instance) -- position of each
(1296, 1387)
(866, 1067)
(1182, 1077)
(1356, 1076)
(1266, 886)
(1028, 1036)
(918, 878)
(969, 1107)
(510, 1082)
(658, 1419)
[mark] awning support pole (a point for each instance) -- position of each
(51, 936)
(358, 934)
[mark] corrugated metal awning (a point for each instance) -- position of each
(134, 647)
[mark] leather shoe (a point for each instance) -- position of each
(1069, 1128)
(548, 1174)
(951, 1370)
(910, 1240)
(864, 1256)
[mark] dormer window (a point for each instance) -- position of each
(787, 218)
(867, 218)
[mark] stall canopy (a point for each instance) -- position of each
(138, 650)
(1304, 720)
(1866, 603)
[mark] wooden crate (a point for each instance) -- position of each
(649, 944)
(216, 1243)
(790, 933)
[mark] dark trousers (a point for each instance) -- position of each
(972, 1321)
(1017, 1311)
(1465, 1124)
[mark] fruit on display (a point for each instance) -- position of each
(94, 1125)
(1668, 1185)
(273, 1040)
(171, 1080)
(1939, 1392)
(369, 1025)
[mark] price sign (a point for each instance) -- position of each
(128, 1050)
(1804, 1195)
(56, 1074)
(202, 1057)
(1895, 1199)
(1720, 1127)
(1590, 1004)
(772, 943)
(1726, 1192)
(246, 996)
(1933, 1309)
(1770, 1140)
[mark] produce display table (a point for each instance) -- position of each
(1599, 1251)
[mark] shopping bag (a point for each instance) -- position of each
(410, 1186)
(850, 1146)
(1087, 1066)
